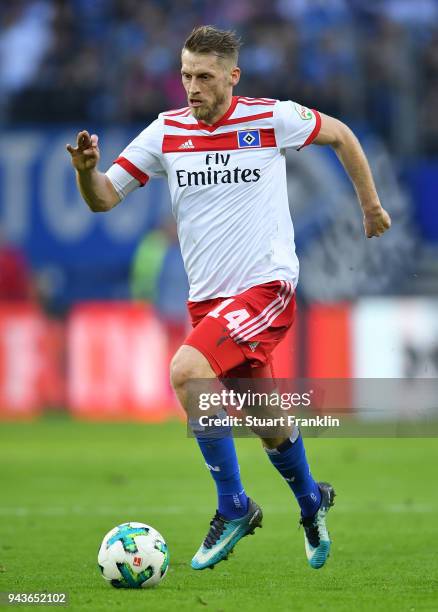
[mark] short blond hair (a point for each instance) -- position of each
(208, 39)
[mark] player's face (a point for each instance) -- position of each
(208, 82)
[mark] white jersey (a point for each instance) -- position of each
(228, 189)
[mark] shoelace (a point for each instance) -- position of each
(217, 526)
(311, 528)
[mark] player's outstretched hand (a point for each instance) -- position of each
(86, 154)
(376, 223)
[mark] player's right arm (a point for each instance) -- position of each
(96, 188)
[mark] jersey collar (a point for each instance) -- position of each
(222, 120)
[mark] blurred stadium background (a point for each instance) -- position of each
(92, 306)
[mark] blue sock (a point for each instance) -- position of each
(221, 459)
(290, 460)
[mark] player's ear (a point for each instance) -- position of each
(235, 76)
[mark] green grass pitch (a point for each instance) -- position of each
(64, 484)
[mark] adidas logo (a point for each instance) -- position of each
(188, 144)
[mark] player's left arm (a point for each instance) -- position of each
(350, 153)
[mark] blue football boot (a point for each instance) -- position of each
(224, 535)
(316, 537)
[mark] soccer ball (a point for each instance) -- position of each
(133, 556)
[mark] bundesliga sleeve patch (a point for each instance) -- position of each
(248, 138)
(304, 113)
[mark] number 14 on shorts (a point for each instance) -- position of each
(234, 317)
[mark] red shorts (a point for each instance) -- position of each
(242, 330)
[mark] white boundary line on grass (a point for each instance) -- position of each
(135, 511)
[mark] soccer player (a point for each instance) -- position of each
(223, 157)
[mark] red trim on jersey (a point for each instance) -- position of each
(175, 112)
(195, 126)
(185, 126)
(259, 99)
(141, 177)
(249, 118)
(222, 120)
(199, 125)
(315, 130)
(219, 142)
(256, 101)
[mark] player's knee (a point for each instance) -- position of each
(179, 373)
(188, 364)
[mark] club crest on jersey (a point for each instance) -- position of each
(248, 138)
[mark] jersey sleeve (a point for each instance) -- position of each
(140, 161)
(295, 126)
